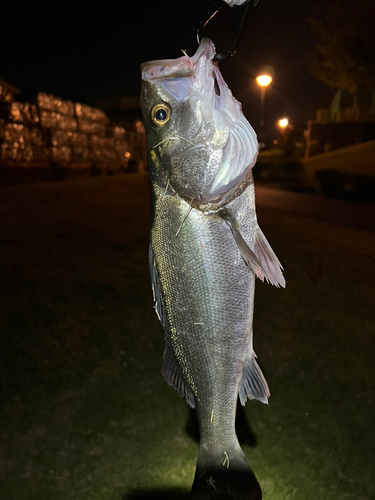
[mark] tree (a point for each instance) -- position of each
(344, 55)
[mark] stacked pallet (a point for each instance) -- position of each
(45, 128)
(7, 92)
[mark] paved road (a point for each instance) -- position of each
(360, 215)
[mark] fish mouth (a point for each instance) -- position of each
(211, 169)
(166, 68)
(180, 67)
(181, 76)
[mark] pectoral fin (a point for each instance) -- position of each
(263, 261)
(246, 253)
(268, 260)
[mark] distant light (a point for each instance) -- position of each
(139, 127)
(127, 154)
(284, 122)
(263, 80)
(275, 141)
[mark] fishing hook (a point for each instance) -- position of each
(239, 13)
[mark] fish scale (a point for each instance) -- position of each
(205, 250)
(209, 295)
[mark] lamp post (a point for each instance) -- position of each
(263, 81)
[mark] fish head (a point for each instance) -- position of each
(197, 136)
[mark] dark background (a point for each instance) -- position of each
(92, 50)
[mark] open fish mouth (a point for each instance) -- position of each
(222, 144)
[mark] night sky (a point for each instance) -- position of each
(94, 50)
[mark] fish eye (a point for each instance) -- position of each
(160, 114)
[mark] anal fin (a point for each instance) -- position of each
(171, 371)
(253, 384)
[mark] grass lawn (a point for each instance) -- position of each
(85, 413)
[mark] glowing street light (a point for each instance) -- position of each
(283, 122)
(263, 81)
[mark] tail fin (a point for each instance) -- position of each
(226, 476)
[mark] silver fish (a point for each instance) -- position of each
(205, 250)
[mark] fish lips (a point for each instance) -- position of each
(186, 75)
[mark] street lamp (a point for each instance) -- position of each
(283, 122)
(263, 81)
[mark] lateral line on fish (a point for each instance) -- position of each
(186, 216)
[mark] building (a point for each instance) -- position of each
(348, 107)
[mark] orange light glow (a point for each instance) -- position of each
(283, 122)
(263, 80)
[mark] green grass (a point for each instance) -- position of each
(269, 154)
(85, 412)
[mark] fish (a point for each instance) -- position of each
(206, 249)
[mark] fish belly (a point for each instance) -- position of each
(207, 293)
